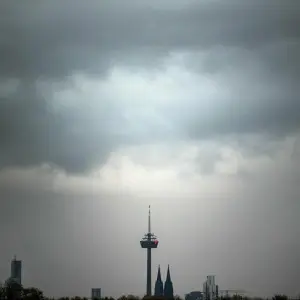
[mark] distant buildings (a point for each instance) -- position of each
(14, 282)
(16, 270)
(96, 294)
(15, 279)
(195, 295)
(210, 289)
(164, 290)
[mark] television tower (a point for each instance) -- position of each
(148, 242)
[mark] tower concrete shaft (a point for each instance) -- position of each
(149, 289)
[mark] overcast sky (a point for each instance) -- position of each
(190, 106)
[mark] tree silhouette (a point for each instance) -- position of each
(13, 291)
(32, 294)
(2, 293)
(280, 297)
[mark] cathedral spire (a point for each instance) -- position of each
(159, 286)
(168, 279)
(168, 289)
(158, 274)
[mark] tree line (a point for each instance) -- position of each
(17, 292)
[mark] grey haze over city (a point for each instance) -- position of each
(190, 106)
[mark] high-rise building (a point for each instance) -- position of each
(210, 289)
(16, 270)
(96, 294)
(168, 288)
(159, 286)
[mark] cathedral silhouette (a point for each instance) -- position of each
(162, 290)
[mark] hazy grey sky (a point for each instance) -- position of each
(190, 106)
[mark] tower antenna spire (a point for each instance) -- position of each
(149, 221)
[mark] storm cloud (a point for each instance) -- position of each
(57, 40)
(237, 72)
(251, 65)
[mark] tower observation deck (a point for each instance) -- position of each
(149, 242)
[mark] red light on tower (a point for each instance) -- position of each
(156, 242)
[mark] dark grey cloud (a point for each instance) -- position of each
(32, 134)
(51, 39)
(251, 48)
